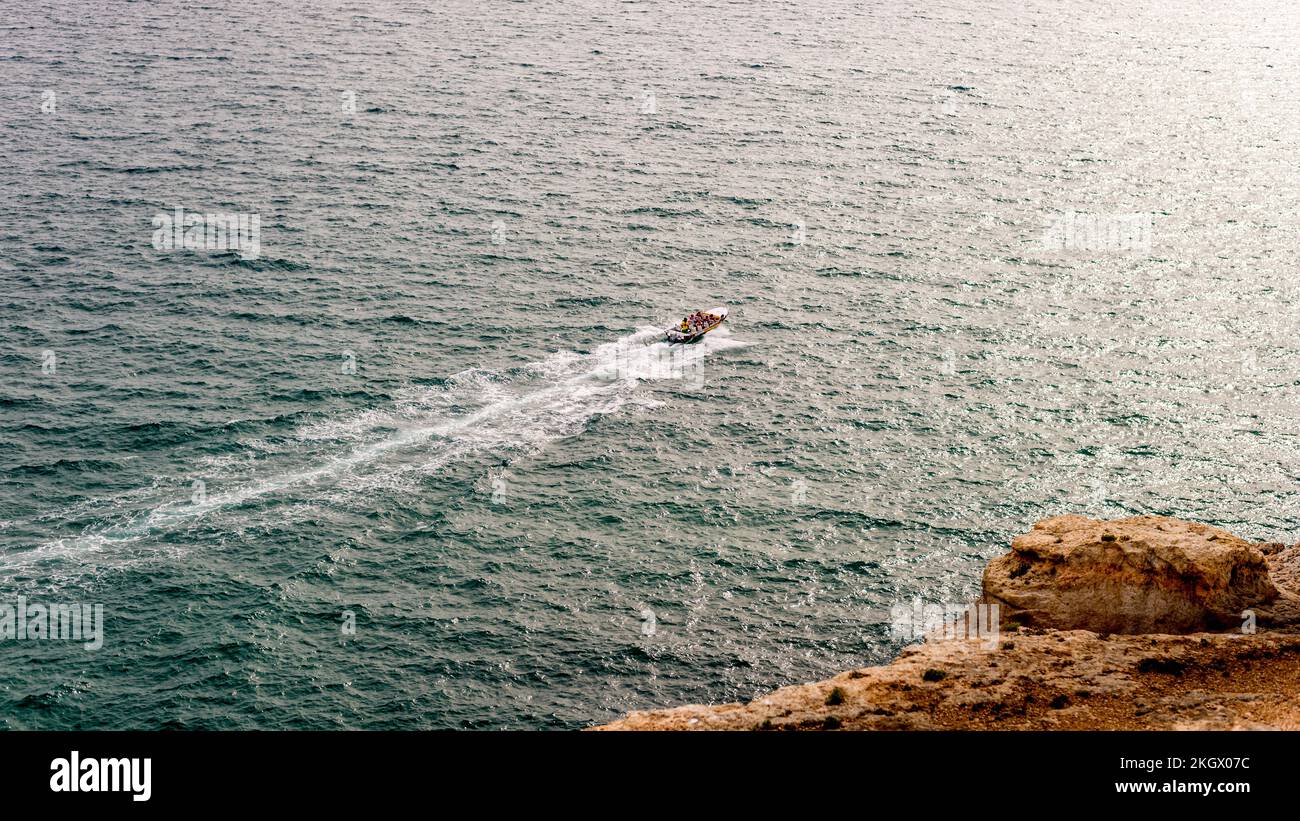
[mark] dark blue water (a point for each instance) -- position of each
(434, 400)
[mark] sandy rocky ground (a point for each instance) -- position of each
(1127, 624)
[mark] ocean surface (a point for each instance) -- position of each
(420, 462)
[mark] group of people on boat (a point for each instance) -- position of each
(698, 321)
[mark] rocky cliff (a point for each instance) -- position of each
(1140, 623)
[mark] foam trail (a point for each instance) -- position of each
(547, 400)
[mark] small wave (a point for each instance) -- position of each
(67, 466)
(233, 258)
(583, 301)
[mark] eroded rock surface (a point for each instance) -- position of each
(1147, 574)
(1035, 680)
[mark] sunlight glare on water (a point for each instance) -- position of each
(986, 263)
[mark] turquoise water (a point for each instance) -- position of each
(435, 402)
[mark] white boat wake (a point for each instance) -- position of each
(475, 413)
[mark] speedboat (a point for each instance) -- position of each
(696, 326)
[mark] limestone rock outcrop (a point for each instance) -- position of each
(1146, 574)
(1128, 624)
(1035, 680)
